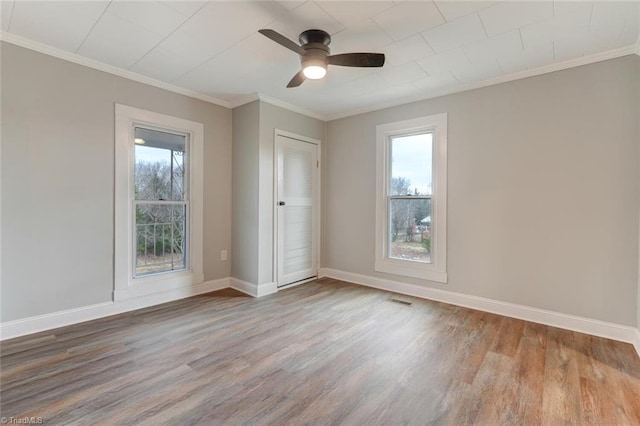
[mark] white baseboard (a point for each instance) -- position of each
(297, 283)
(593, 327)
(255, 290)
(245, 287)
(21, 327)
(266, 289)
(158, 284)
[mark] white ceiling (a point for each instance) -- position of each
(432, 47)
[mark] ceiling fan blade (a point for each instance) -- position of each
(283, 41)
(357, 59)
(297, 80)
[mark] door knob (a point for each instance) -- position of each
(281, 203)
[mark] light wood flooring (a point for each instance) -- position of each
(326, 352)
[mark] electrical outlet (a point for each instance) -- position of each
(223, 255)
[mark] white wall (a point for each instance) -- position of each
(58, 180)
(543, 195)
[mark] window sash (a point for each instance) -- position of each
(388, 244)
(167, 202)
(410, 197)
(389, 156)
(161, 202)
(389, 220)
(185, 239)
(186, 179)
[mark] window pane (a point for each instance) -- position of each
(159, 165)
(411, 161)
(410, 229)
(160, 238)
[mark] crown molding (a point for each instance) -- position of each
(572, 63)
(276, 102)
(243, 100)
(91, 63)
(130, 75)
(291, 107)
(100, 66)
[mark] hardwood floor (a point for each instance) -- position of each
(326, 352)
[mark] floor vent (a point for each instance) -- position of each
(402, 302)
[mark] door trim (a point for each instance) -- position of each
(317, 201)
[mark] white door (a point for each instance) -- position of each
(296, 210)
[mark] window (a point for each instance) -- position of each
(411, 202)
(161, 202)
(158, 226)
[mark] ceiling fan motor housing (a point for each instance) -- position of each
(314, 36)
(316, 46)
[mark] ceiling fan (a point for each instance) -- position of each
(315, 55)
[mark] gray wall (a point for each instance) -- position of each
(58, 180)
(254, 125)
(543, 190)
(271, 118)
(244, 256)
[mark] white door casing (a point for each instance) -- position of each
(297, 202)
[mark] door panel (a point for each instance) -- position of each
(296, 211)
(297, 239)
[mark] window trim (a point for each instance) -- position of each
(437, 269)
(126, 285)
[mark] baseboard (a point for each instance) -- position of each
(245, 287)
(297, 283)
(593, 327)
(255, 290)
(266, 289)
(21, 327)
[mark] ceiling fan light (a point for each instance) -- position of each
(314, 72)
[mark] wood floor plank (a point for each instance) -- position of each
(508, 337)
(562, 402)
(323, 353)
(529, 374)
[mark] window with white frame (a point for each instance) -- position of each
(411, 202)
(158, 205)
(161, 201)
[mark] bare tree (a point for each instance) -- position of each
(400, 186)
(160, 223)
